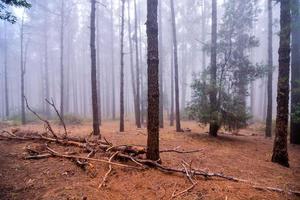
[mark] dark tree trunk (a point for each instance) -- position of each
(213, 125)
(161, 96)
(132, 67)
(295, 85)
(122, 70)
(96, 130)
(112, 63)
(22, 69)
(98, 71)
(172, 91)
(280, 153)
(178, 126)
(153, 85)
(62, 19)
(270, 72)
(5, 73)
(138, 99)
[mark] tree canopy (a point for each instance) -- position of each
(5, 12)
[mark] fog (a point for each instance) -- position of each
(47, 23)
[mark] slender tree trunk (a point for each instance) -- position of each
(96, 130)
(122, 71)
(22, 73)
(62, 21)
(132, 67)
(161, 96)
(153, 85)
(295, 84)
(178, 126)
(270, 71)
(280, 153)
(203, 34)
(46, 80)
(172, 91)
(5, 73)
(98, 70)
(213, 125)
(112, 62)
(138, 100)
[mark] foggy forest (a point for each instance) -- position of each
(149, 99)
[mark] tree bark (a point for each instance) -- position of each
(5, 73)
(161, 97)
(98, 71)
(138, 100)
(122, 70)
(178, 126)
(295, 84)
(22, 69)
(213, 125)
(112, 62)
(172, 91)
(153, 82)
(132, 67)
(62, 21)
(280, 153)
(96, 130)
(270, 70)
(203, 34)
(46, 66)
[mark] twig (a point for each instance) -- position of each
(55, 153)
(177, 151)
(297, 193)
(183, 191)
(108, 172)
(59, 116)
(40, 118)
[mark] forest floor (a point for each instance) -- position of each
(245, 155)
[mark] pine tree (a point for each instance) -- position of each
(96, 130)
(153, 82)
(295, 79)
(280, 153)
(122, 70)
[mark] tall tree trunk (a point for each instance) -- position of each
(141, 64)
(161, 96)
(203, 34)
(98, 70)
(46, 80)
(5, 73)
(112, 62)
(213, 125)
(138, 99)
(132, 67)
(295, 85)
(178, 126)
(122, 70)
(270, 71)
(22, 73)
(96, 130)
(153, 85)
(280, 153)
(62, 21)
(172, 91)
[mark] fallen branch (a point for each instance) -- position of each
(55, 153)
(59, 116)
(40, 118)
(108, 172)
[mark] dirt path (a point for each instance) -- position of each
(246, 157)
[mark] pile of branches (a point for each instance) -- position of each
(125, 156)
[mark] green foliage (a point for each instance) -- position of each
(7, 15)
(234, 69)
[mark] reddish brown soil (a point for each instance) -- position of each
(245, 157)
